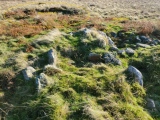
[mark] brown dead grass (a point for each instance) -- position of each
(6, 79)
(140, 27)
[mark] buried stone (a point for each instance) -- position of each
(51, 68)
(142, 45)
(93, 57)
(150, 104)
(28, 73)
(41, 81)
(144, 39)
(110, 58)
(52, 57)
(130, 51)
(138, 75)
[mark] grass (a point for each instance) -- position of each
(82, 90)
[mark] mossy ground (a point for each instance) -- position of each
(83, 90)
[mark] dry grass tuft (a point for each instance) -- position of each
(6, 79)
(140, 27)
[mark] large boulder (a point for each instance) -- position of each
(110, 58)
(138, 75)
(28, 73)
(93, 57)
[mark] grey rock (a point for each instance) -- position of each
(28, 73)
(93, 57)
(138, 75)
(113, 34)
(150, 104)
(138, 39)
(121, 53)
(43, 79)
(111, 43)
(110, 58)
(38, 85)
(52, 57)
(144, 39)
(120, 34)
(93, 35)
(142, 45)
(113, 48)
(155, 42)
(130, 51)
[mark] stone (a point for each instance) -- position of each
(28, 73)
(111, 43)
(110, 58)
(121, 53)
(121, 34)
(155, 42)
(130, 51)
(113, 48)
(150, 104)
(43, 79)
(52, 57)
(93, 35)
(144, 39)
(138, 39)
(142, 45)
(138, 75)
(93, 57)
(113, 34)
(38, 85)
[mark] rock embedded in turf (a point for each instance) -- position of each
(138, 75)
(113, 48)
(93, 57)
(52, 59)
(41, 81)
(28, 73)
(110, 58)
(111, 43)
(150, 104)
(142, 45)
(130, 51)
(144, 39)
(121, 53)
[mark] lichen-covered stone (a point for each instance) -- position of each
(28, 73)
(138, 75)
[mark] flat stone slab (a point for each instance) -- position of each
(143, 45)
